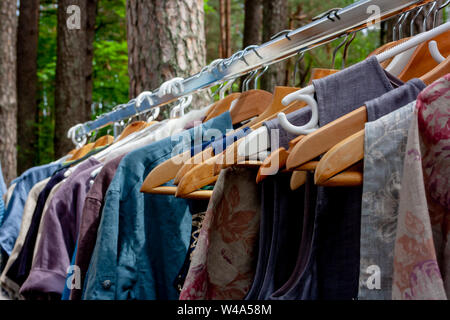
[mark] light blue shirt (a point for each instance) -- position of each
(12, 218)
(142, 239)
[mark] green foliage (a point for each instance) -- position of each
(111, 81)
(110, 72)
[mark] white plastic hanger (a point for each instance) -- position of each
(434, 51)
(306, 93)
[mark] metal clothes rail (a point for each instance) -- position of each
(323, 29)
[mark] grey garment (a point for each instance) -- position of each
(280, 234)
(394, 99)
(286, 235)
(298, 118)
(384, 150)
(265, 236)
(59, 235)
(349, 89)
(339, 209)
(329, 268)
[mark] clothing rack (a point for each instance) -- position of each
(326, 28)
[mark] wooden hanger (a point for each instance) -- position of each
(352, 177)
(441, 70)
(343, 155)
(250, 104)
(272, 108)
(174, 168)
(103, 141)
(131, 128)
(82, 151)
(221, 106)
(323, 139)
(279, 157)
(422, 62)
(208, 171)
(276, 161)
(351, 150)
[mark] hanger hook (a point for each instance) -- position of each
(226, 87)
(301, 56)
(312, 124)
(347, 45)
(247, 79)
(413, 20)
(264, 70)
(394, 29)
(335, 51)
(154, 113)
(425, 21)
(400, 27)
(437, 11)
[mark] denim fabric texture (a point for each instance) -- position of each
(142, 238)
(12, 219)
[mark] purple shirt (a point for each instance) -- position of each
(60, 230)
(90, 220)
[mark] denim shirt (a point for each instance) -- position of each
(10, 227)
(142, 238)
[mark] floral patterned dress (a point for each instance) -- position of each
(224, 261)
(422, 250)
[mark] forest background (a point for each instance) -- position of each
(52, 79)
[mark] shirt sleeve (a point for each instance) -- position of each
(100, 283)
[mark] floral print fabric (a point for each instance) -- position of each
(223, 263)
(422, 252)
(384, 150)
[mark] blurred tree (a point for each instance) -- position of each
(166, 39)
(275, 17)
(72, 70)
(252, 23)
(8, 92)
(110, 69)
(27, 47)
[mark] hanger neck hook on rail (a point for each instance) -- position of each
(435, 15)
(400, 27)
(347, 45)
(301, 56)
(264, 70)
(335, 51)
(394, 29)
(425, 20)
(413, 20)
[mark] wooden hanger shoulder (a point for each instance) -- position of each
(104, 141)
(323, 139)
(221, 106)
(250, 104)
(131, 128)
(422, 62)
(441, 70)
(342, 156)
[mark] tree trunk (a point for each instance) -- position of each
(8, 94)
(275, 17)
(91, 12)
(73, 71)
(253, 23)
(27, 46)
(166, 39)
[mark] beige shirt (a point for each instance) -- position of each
(8, 194)
(30, 205)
